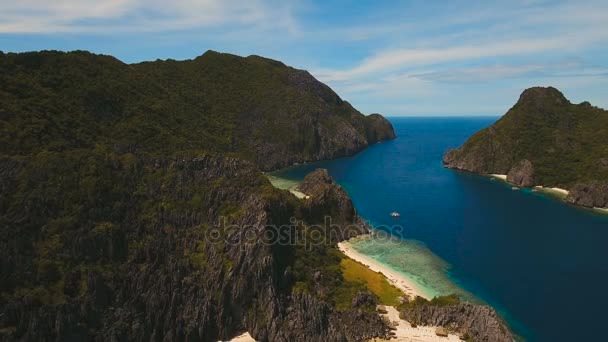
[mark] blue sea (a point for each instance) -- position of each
(541, 263)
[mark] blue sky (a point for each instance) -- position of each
(419, 58)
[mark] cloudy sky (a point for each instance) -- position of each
(416, 58)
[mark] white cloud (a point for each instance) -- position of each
(484, 73)
(408, 58)
(111, 16)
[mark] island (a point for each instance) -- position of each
(546, 142)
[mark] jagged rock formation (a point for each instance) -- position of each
(328, 203)
(590, 195)
(479, 322)
(543, 140)
(522, 174)
(186, 258)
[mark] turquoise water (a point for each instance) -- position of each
(541, 263)
(414, 260)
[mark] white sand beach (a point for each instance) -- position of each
(405, 332)
(287, 184)
(501, 177)
(552, 190)
(398, 280)
(298, 194)
(557, 191)
(244, 337)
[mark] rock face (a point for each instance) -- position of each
(522, 174)
(589, 195)
(378, 128)
(157, 271)
(329, 204)
(480, 322)
(542, 140)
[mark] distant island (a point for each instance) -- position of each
(544, 141)
(134, 206)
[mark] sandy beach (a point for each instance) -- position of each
(287, 184)
(244, 337)
(557, 191)
(398, 280)
(501, 177)
(553, 190)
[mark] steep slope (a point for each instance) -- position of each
(544, 140)
(253, 107)
(97, 246)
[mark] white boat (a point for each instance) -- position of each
(395, 214)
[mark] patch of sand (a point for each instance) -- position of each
(501, 177)
(244, 337)
(557, 191)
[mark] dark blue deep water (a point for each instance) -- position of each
(541, 263)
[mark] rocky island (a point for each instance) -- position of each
(134, 207)
(544, 140)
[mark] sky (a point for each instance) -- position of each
(398, 58)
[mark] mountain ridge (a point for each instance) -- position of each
(255, 107)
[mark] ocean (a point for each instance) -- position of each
(541, 263)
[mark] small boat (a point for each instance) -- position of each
(514, 188)
(395, 214)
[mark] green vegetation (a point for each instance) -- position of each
(253, 107)
(375, 282)
(452, 299)
(565, 142)
(317, 270)
(112, 175)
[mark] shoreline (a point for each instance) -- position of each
(400, 281)
(555, 192)
(405, 284)
(551, 190)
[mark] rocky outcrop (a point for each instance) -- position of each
(308, 319)
(330, 206)
(378, 128)
(589, 195)
(480, 322)
(522, 174)
(484, 156)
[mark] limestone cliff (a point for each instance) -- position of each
(329, 203)
(195, 252)
(481, 323)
